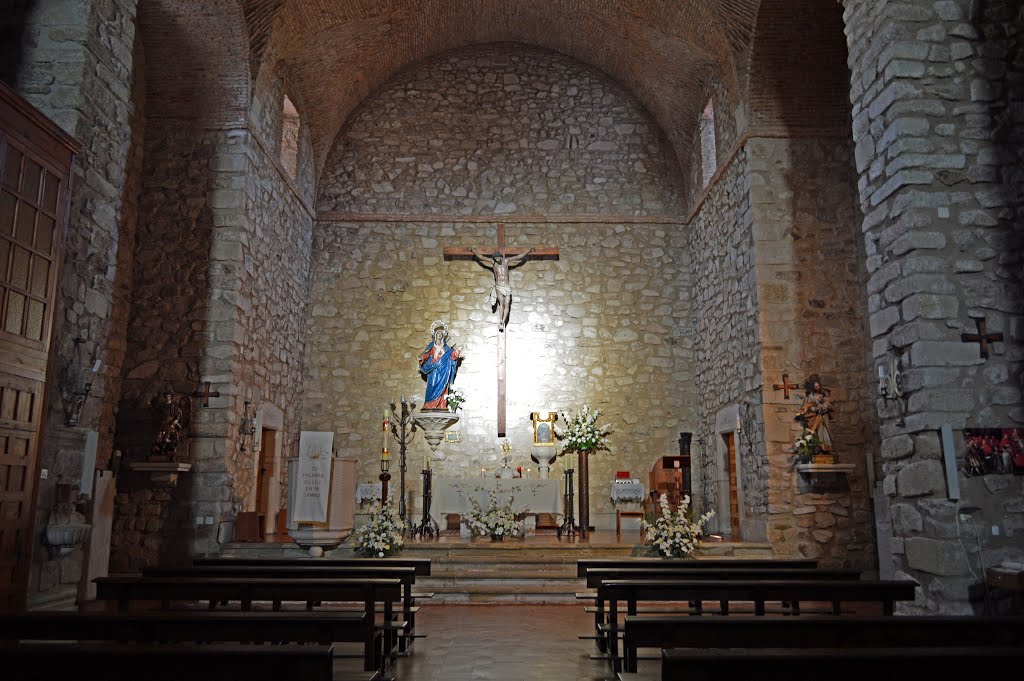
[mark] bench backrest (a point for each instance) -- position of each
(597, 575)
(405, 573)
(422, 565)
(583, 564)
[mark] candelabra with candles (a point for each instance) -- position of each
(403, 427)
(385, 462)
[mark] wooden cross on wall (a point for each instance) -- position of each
(981, 337)
(786, 385)
(206, 394)
(505, 251)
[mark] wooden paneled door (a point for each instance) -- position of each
(734, 494)
(35, 162)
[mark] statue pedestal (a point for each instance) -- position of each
(433, 423)
(341, 507)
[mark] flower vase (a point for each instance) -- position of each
(497, 537)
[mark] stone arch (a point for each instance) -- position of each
(496, 129)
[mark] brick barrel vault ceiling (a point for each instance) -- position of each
(664, 51)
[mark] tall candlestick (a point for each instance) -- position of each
(386, 428)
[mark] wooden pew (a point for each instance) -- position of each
(422, 568)
(694, 569)
(257, 626)
(758, 592)
(245, 590)
(814, 632)
(48, 660)
(584, 564)
(950, 663)
(406, 574)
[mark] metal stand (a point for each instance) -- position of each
(403, 426)
(385, 477)
(568, 526)
(427, 526)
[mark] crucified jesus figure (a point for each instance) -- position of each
(501, 297)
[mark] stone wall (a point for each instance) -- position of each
(938, 148)
(725, 328)
(500, 129)
(810, 281)
(605, 326)
(76, 65)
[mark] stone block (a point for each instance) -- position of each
(944, 353)
(906, 520)
(930, 306)
(921, 478)
(899, 447)
(936, 557)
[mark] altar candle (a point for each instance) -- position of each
(386, 429)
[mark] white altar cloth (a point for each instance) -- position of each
(532, 495)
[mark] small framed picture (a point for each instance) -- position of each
(453, 436)
(544, 428)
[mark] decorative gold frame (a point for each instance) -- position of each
(544, 428)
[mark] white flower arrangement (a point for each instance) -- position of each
(455, 398)
(675, 535)
(807, 445)
(382, 536)
(581, 432)
(494, 520)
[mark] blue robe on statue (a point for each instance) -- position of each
(440, 373)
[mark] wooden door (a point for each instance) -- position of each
(35, 158)
(265, 472)
(734, 495)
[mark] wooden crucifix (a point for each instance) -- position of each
(981, 337)
(785, 385)
(206, 394)
(499, 260)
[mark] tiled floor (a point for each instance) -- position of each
(502, 643)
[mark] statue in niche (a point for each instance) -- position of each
(501, 296)
(172, 417)
(814, 411)
(438, 364)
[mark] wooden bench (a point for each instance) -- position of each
(422, 567)
(257, 626)
(814, 632)
(48, 660)
(713, 570)
(584, 564)
(758, 592)
(126, 590)
(950, 663)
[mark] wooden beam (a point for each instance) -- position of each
(538, 253)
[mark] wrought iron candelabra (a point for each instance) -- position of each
(568, 526)
(403, 427)
(427, 526)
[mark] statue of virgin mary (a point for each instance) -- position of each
(438, 363)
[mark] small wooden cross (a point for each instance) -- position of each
(786, 385)
(542, 253)
(981, 337)
(206, 394)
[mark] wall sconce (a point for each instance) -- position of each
(76, 384)
(890, 385)
(247, 428)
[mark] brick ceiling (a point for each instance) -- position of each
(664, 51)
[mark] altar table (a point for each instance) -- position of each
(530, 495)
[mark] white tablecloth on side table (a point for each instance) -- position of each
(368, 491)
(532, 495)
(627, 491)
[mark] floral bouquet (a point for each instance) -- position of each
(581, 432)
(382, 536)
(807, 445)
(455, 398)
(494, 520)
(675, 535)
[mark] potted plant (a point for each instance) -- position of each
(583, 436)
(675, 534)
(382, 535)
(495, 520)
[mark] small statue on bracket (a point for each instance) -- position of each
(173, 417)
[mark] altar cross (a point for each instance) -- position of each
(506, 252)
(786, 385)
(981, 337)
